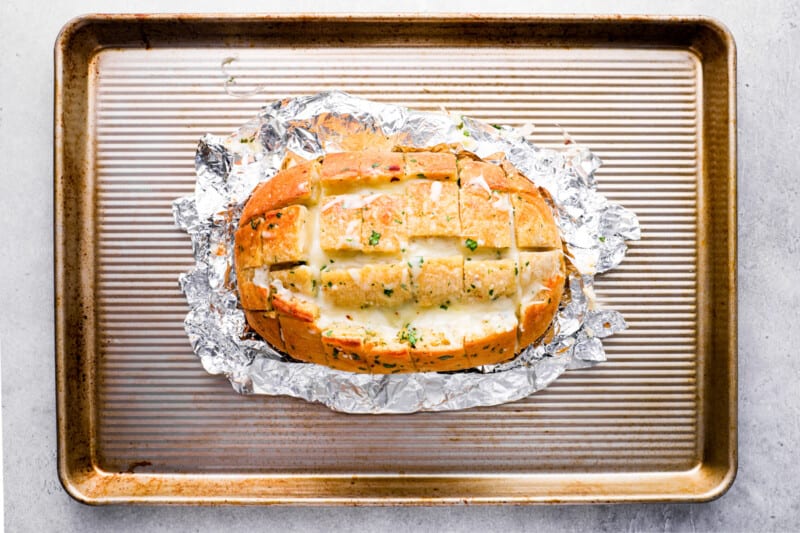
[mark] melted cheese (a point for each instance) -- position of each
(455, 321)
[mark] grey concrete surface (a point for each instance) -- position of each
(765, 496)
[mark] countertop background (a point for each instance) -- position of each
(765, 496)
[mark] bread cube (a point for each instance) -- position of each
(344, 347)
(485, 216)
(296, 185)
(433, 350)
(300, 278)
(340, 170)
(489, 280)
(387, 354)
(340, 223)
(386, 285)
(516, 181)
(384, 227)
(433, 209)
(374, 285)
(541, 278)
(247, 253)
(254, 289)
(431, 165)
(438, 281)
(533, 221)
(493, 340)
(303, 340)
(283, 235)
(381, 167)
(266, 324)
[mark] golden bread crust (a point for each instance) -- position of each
(372, 261)
(296, 185)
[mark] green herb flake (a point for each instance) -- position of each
(413, 160)
(323, 267)
(421, 175)
(466, 133)
(375, 165)
(374, 238)
(445, 357)
(497, 126)
(388, 292)
(329, 333)
(254, 223)
(330, 284)
(602, 239)
(491, 292)
(471, 244)
(516, 270)
(443, 306)
(388, 365)
(279, 214)
(409, 334)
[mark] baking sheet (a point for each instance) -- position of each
(652, 97)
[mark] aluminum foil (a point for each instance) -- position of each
(594, 230)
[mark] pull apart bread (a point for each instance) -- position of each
(386, 262)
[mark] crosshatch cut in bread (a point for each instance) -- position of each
(399, 261)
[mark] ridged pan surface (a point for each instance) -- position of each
(157, 410)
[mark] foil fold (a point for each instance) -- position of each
(594, 231)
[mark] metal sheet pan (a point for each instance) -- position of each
(140, 421)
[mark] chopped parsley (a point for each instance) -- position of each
(443, 306)
(254, 223)
(375, 165)
(421, 175)
(279, 214)
(374, 238)
(409, 334)
(388, 292)
(602, 239)
(471, 244)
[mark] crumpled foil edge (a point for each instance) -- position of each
(594, 231)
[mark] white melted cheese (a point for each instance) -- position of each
(481, 182)
(458, 321)
(436, 191)
(261, 277)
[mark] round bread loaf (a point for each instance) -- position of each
(386, 262)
